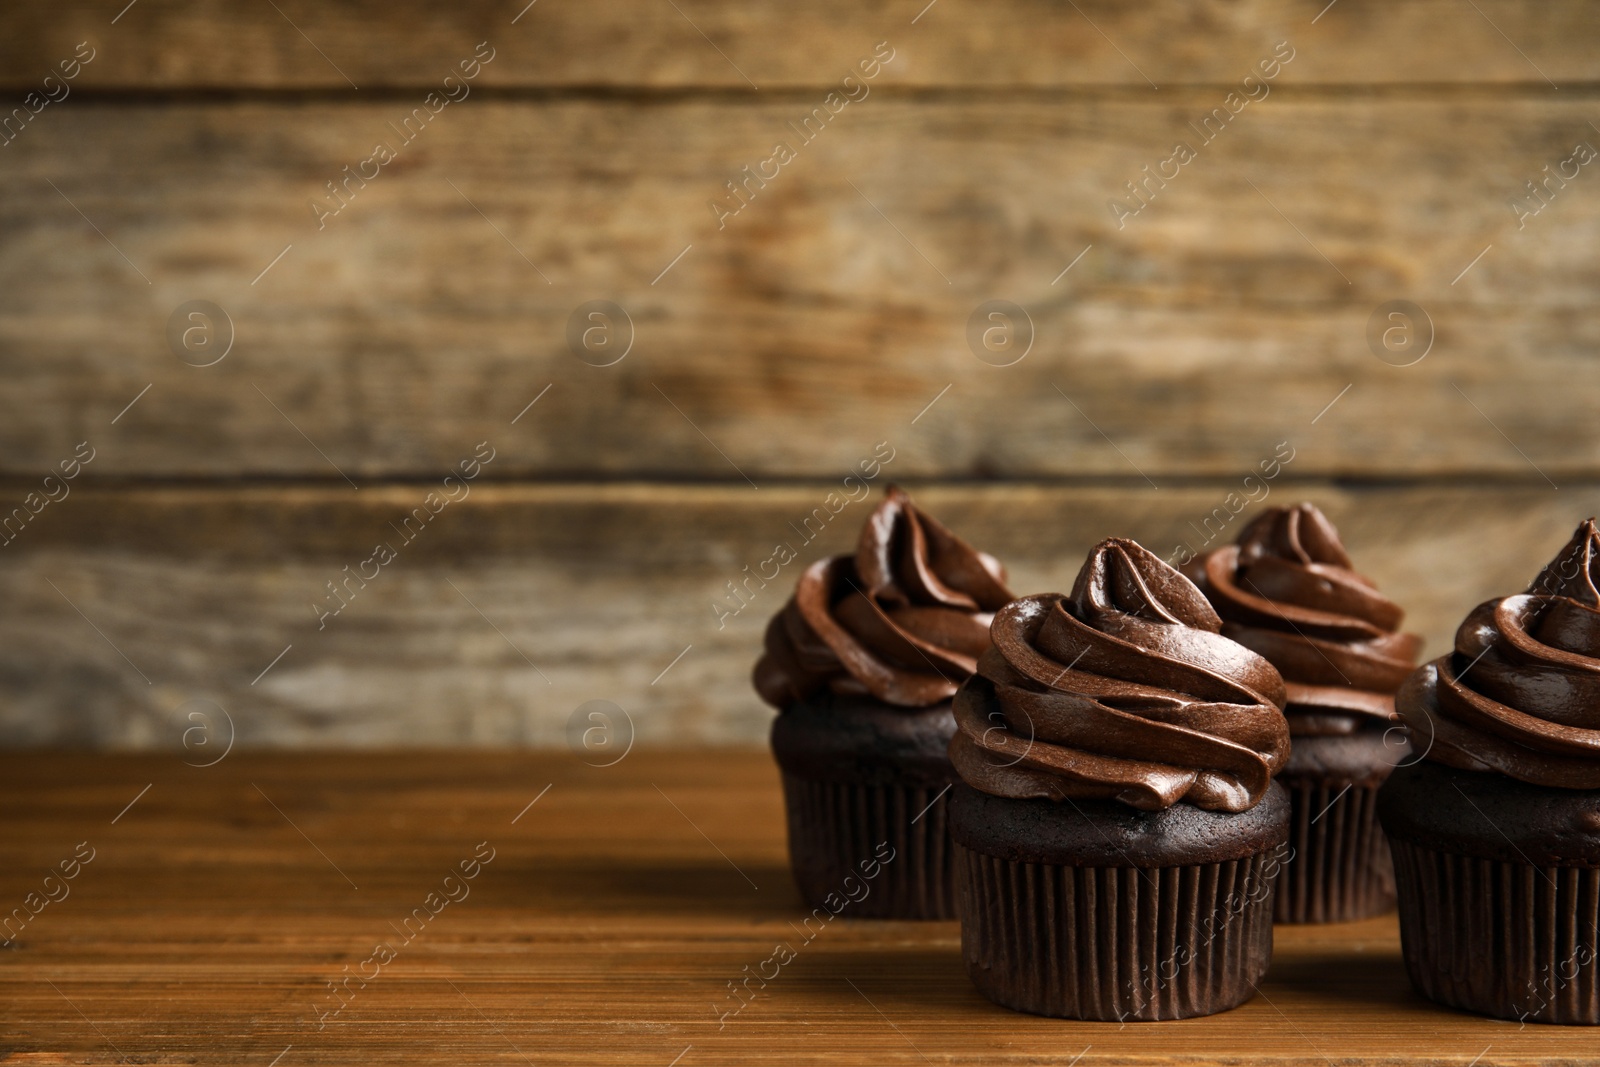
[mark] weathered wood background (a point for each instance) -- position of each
(372, 355)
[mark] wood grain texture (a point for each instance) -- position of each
(605, 930)
(774, 348)
(520, 603)
(1226, 316)
(639, 44)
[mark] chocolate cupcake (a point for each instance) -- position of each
(1287, 590)
(1118, 829)
(1496, 832)
(862, 663)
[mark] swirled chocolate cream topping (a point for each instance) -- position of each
(904, 619)
(1521, 692)
(1125, 689)
(1287, 590)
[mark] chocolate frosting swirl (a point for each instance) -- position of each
(1125, 689)
(1520, 694)
(904, 619)
(1288, 591)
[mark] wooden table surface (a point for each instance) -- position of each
(618, 905)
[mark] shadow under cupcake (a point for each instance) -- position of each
(1496, 831)
(862, 663)
(1117, 831)
(1288, 591)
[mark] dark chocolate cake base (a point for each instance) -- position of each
(864, 788)
(1499, 887)
(1090, 909)
(876, 851)
(1338, 867)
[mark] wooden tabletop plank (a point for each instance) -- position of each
(604, 930)
(300, 44)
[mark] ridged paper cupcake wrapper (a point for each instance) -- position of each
(1509, 940)
(838, 830)
(1340, 868)
(1115, 944)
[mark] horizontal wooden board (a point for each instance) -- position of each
(605, 929)
(742, 46)
(831, 313)
(518, 604)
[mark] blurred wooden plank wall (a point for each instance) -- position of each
(774, 347)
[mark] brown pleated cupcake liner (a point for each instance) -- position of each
(1116, 944)
(1339, 869)
(1509, 940)
(839, 831)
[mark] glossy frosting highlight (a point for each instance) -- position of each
(1288, 591)
(904, 619)
(1127, 690)
(1520, 694)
